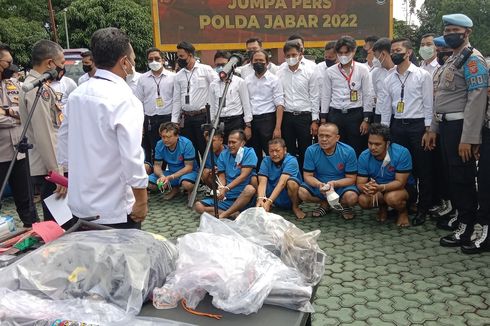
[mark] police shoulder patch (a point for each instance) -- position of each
(475, 73)
(45, 94)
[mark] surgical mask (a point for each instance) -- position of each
(87, 68)
(130, 76)
(239, 155)
(454, 40)
(219, 69)
(182, 62)
(345, 59)
(155, 65)
(376, 63)
(426, 52)
(398, 58)
(259, 67)
(330, 62)
(292, 61)
(442, 57)
(250, 54)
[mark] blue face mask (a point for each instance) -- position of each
(218, 69)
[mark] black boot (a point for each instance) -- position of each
(449, 222)
(419, 218)
(459, 237)
(481, 244)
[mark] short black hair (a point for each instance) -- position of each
(253, 40)
(406, 43)
(87, 53)
(154, 49)
(4, 48)
(279, 141)
(428, 35)
(294, 44)
(219, 132)
(383, 44)
(263, 52)
(380, 130)
(108, 46)
(296, 37)
(371, 39)
(330, 45)
(187, 47)
(169, 126)
(45, 49)
(240, 133)
(347, 41)
(222, 54)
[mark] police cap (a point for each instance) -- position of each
(457, 20)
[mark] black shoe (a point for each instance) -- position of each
(479, 245)
(459, 237)
(441, 210)
(419, 218)
(449, 222)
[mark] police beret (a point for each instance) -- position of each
(458, 20)
(439, 42)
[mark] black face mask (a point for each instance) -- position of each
(363, 54)
(330, 62)
(87, 68)
(182, 62)
(61, 72)
(259, 67)
(7, 73)
(454, 40)
(442, 57)
(250, 54)
(398, 58)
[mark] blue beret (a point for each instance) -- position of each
(440, 42)
(458, 20)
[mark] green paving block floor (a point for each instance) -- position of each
(376, 274)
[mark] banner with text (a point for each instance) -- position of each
(226, 24)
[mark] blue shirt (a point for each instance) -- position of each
(273, 172)
(400, 162)
(330, 167)
(208, 164)
(226, 164)
(183, 151)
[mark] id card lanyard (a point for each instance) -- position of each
(353, 93)
(159, 100)
(400, 107)
(187, 96)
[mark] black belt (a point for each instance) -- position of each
(230, 118)
(158, 116)
(194, 113)
(296, 113)
(264, 115)
(347, 110)
(409, 121)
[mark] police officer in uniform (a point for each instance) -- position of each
(460, 102)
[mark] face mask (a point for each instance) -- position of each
(155, 65)
(398, 58)
(239, 155)
(292, 61)
(259, 67)
(426, 52)
(330, 62)
(454, 40)
(87, 68)
(442, 57)
(61, 72)
(345, 59)
(182, 62)
(219, 69)
(7, 73)
(130, 77)
(376, 63)
(250, 54)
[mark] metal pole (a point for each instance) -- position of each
(66, 29)
(53, 22)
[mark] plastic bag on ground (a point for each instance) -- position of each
(120, 267)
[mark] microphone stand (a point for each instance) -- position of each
(215, 124)
(23, 147)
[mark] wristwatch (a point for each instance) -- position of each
(366, 119)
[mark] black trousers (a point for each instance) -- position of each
(262, 130)
(151, 135)
(129, 224)
(47, 189)
(441, 177)
(192, 130)
(232, 123)
(483, 216)
(377, 118)
(18, 182)
(349, 124)
(295, 130)
(462, 188)
(409, 133)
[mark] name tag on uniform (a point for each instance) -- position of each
(400, 107)
(187, 99)
(159, 102)
(353, 96)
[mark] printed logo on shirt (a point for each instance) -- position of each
(181, 158)
(340, 166)
(391, 168)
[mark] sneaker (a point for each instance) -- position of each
(450, 222)
(445, 208)
(461, 236)
(481, 244)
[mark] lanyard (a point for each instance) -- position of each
(98, 77)
(402, 91)
(158, 84)
(189, 80)
(347, 78)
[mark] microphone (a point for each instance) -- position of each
(235, 61)
(48, 75)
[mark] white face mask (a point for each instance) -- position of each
(426, 52)
(155, 65)
(130, 76)
(292, 61)
(239, 155)
(345, 59)
(376, 63)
